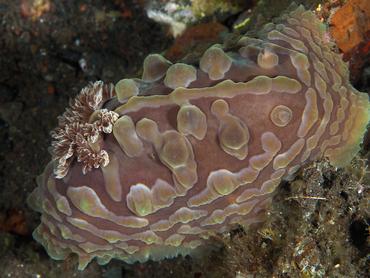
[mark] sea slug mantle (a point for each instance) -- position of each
(151, 167)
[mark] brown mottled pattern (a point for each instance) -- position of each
(165, 161)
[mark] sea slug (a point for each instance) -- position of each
(151, 167)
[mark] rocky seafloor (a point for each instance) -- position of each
(318, 225)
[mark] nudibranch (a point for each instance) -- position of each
(151, 168)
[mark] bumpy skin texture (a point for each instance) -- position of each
(154, 167)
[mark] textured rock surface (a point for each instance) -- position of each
(154, 167)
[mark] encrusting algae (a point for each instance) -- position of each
(153, 167)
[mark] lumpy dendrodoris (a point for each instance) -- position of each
(150, 168)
